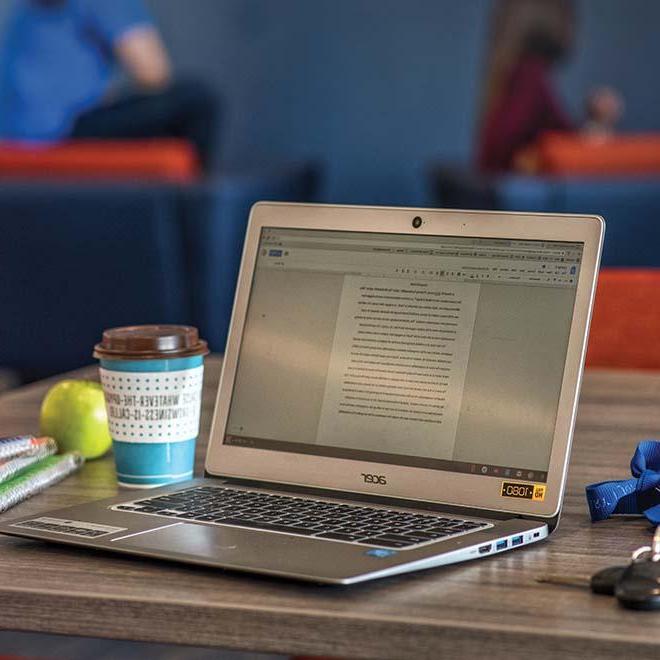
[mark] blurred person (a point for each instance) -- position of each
(604, 108)
(60, 62)
(530, 38)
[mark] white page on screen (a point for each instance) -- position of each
(397, 366)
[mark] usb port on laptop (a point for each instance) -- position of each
(516, 540)
(502, 545)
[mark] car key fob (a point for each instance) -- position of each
(604, 582)
(639, 586)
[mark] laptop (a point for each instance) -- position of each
(398, 393)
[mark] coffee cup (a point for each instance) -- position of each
(152, 377)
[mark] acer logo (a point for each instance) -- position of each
(374, 479)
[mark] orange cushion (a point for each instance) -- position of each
(570, 154)
(172, 160)
(625, 330)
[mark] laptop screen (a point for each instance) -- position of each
(428, 351)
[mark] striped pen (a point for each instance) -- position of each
(38, 477)
(25, 445)
(38, 450)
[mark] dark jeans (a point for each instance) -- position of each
(185, 109)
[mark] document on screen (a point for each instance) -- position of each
(397, 368)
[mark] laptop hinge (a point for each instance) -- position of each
(550, 522)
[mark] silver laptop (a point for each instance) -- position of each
(398, 393)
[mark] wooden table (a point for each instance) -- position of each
(492, 608)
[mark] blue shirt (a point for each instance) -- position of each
(57, 62)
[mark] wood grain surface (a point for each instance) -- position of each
(493, 607)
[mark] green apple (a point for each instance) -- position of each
(73, 412)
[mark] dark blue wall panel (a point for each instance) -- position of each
(372, 88)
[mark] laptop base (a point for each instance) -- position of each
(97, 525)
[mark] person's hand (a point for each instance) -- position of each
(142, 55)
(605, 107)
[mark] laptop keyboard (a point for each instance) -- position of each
(320, 519)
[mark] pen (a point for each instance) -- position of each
(38, 477)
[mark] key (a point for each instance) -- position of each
(339, 537)
(237, 522)
(385, 544)
(603, 582)
(636, 586)
(639, 586)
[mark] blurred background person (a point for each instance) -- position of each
(604, 108)
(60, 62)
(529, 39)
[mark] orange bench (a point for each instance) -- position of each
(569, 154)
(625, 330)
(157, 159)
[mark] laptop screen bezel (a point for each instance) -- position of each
(404, 482)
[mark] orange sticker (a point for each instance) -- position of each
(534, 492)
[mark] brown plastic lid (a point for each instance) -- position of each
(150, 342)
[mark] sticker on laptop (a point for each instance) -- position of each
(380, 553)
(68, 527)
(534, 492)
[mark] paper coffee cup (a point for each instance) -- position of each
(152, 377)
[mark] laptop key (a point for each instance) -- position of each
(385, 543)
(436, 535)
(395, 530)
(273, 527)
(339, 536)
(394, 537)
(423, 536)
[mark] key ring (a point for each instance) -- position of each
(654, 549)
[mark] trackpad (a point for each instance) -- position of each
(230, 545)
(185, 539)
(235, 547)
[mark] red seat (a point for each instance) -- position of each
(157, 159)
(567, 154)
(625, 330)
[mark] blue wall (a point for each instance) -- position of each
(372, 88)
(618, 45)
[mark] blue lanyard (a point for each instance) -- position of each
(640, 495)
